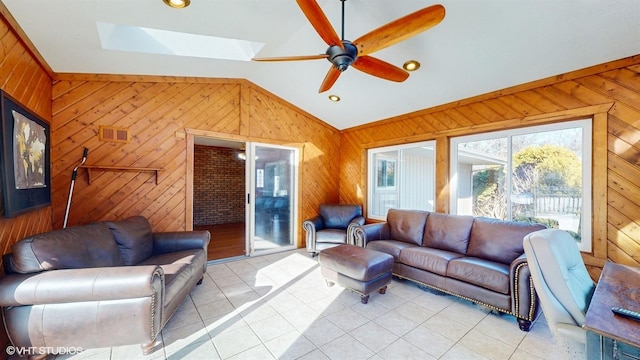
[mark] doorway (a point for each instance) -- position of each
(219, 178)
(244, 194)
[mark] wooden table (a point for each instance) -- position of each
(612, 336)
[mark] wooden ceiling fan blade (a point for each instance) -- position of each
(382, 69)
(329, 79)
(400, 29)
(319, 21)
(292, 58)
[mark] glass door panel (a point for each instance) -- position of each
(273, 176)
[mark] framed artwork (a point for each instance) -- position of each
(25, 160)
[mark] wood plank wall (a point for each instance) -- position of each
(616, 83)
(157, 110)
(22, 77)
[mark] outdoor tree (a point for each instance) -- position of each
(489, 195)
(536, 169)
(551, 167)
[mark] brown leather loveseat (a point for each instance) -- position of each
(98, 285)
(478, 259)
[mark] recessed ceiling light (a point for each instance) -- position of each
(334, 98)
(178, 4)
(411, 65)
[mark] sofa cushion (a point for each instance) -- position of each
(406, 225)
(134, 238)
(339, 216)
(498, 240)
(331, 236)
(74, 247)
(392, 247)
(432, 260)
(487, 274)
(447, 232)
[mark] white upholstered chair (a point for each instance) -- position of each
(563, 285)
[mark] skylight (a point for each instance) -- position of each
(155, 41)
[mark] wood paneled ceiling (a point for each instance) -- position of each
(481, 46)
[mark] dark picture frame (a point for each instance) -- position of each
(25, 161)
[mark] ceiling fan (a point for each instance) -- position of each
(343, 53)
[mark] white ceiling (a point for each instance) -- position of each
(480, 46)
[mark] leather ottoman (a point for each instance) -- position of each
(357, 269)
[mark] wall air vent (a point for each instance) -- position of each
(114, 134)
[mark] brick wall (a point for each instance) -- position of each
(218, 186)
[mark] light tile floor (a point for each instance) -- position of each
(278, 307)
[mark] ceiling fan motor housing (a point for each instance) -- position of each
(342, 58)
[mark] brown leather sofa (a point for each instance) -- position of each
(98, 285)
(478, 259)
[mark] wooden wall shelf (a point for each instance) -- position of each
(120, 168)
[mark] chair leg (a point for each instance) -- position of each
(525, 325)
(364, 299)
(149, 347)
(382, 290)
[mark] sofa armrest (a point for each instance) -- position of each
(314, 224)
(524, 299)
(79, 285)
(370, 232)
(166, 242)
(354, 224)
(311, 226)
(357, 221)
(85, 308)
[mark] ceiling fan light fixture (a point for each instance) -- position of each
(334, 98)
(177, 4)
(411, 65)
(342, 58)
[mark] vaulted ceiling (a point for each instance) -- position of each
(479, 47)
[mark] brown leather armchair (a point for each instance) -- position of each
(332, 227)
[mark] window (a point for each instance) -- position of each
(401, 177)
(528, 174)
(385, 174)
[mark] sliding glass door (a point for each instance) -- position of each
(272, 175)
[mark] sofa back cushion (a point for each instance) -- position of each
(406, 225)
(448, 232)
(498, 240)
(74, 247)
(134, 238)
(339, 216)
